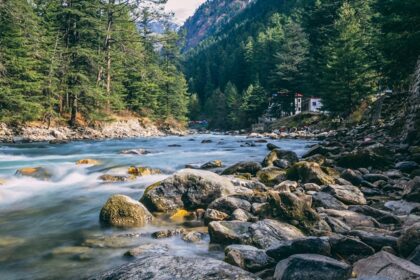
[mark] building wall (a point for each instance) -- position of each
(315, 105)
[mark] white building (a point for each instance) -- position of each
(307, 104)
(314, 104)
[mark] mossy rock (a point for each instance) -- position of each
(143, 171)
(115, 178)
(123, 211)
(271, 176)
(309, 172)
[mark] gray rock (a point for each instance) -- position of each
(351, 176)
(325, 200)
(348, 194)
(401, 207)
(381, 216)
(250, 167)
(156, 266)
(267, 233)
(412, 193)
(415, 256)
(375, 177)
(409, 239)
(229, 204)
(351, 219)
(248, 257)
(309, 172)
(212, 164)
(386, 265)
(310, 267)
(376, 240)
(214, 215)
(262, 234)
(308, 245)
(188, 189)
(407, 166)
(123, 211)
(350, 248)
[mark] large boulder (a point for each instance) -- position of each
(243, 167)
(248, 257)
(229, 204)
(123, 211)
(308, 245)
(386, 266)
(297, 210)
(278, 154)
(310, 266)
(188, 189)
(347, 194)
(309, 172)
(409, 239)
(262, 234)
(156, 266)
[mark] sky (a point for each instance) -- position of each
(183, 9)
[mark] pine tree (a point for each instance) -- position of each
(233, 104)
(20, 70)
(349, 76)
(255, 102)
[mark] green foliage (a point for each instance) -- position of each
(342, 51)
(86, 60)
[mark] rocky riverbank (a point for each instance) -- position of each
(129, 128)
(349, 208)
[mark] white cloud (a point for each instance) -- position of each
(183, 9)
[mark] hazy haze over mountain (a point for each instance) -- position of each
(183, 9)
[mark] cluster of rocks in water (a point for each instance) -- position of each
(349, 208)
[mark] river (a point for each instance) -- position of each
(41, 220)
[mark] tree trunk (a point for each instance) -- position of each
(73, 117)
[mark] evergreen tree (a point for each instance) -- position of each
(255, 102)
(233, 104)
(20, 70)
(349, 76)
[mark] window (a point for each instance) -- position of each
(314, 103)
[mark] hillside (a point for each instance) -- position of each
(209, 17)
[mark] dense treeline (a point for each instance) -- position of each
(85, 60)
(339, 50)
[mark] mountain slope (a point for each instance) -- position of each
(209, 17)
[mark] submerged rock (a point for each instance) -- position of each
(114, 178)
(160, 249)
(88, 161)
(311, 267)
(135, 152)
(39, 173)
(386, 266)
(188, 189)
(123, 211)
(156, 266)
(143, 171)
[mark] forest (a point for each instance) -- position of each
(79, 62)
(82, 61)
(342, 51)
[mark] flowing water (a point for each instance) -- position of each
(50, 229)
